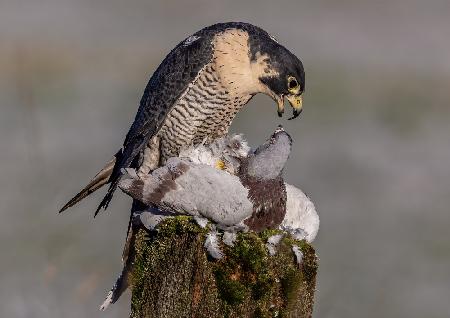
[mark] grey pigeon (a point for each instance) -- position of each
(228, 185)
(253, 199)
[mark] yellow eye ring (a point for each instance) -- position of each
(293, 85)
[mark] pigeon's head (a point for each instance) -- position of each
(269, 159)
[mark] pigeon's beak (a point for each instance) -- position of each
(296, 102)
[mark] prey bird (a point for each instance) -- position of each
(244, 192)
(227, 187)
(195, 93)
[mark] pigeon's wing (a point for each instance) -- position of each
(172, 78)
(193, 189)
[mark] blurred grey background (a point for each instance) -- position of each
(372, 147)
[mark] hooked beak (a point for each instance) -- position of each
(280, 101)
(296, 102)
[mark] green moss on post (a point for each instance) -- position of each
(173, 276)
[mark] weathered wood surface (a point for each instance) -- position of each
(174, 278)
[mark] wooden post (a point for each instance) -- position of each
(174, 278)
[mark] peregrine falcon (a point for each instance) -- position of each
(196, 92)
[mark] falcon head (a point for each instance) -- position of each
(251, 61)
(283, 76)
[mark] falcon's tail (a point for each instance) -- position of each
(102, 178)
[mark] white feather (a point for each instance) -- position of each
(298, 254)
(229, 238)
(212, 245)
(107, 301)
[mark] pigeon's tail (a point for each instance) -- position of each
(102, 178)
(119, 287)
(124, 279)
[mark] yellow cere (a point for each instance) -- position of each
(296, 101)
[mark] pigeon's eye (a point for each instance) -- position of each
(293, 86)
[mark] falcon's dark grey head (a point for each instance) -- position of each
(284, 75)
(269, 159)
(250, 61)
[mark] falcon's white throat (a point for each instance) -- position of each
(239, 74)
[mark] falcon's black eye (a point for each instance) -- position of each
(293, 86)
(293, 83)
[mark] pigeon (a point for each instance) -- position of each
(227, 186)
